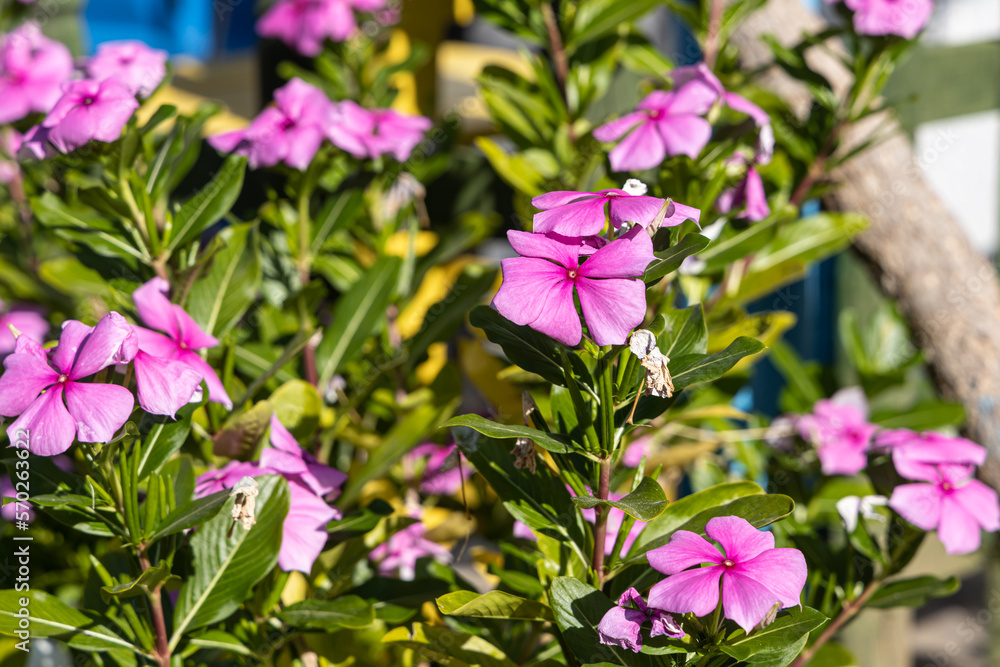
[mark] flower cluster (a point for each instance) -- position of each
(90, 109)
(302, 117)
(945, 497)
(399, 554)
(311, 484)
(47, 392)
(33, 70)
(566, 258)
(305, 25)
(668, 123)
(622, 624)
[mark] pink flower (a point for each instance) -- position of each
(303, 533)
(635, 450)
(905, 18)
(89, 110)
(755, 576)
(538, 287)
(582, 213)
(442, 476)
(747, 199)
(34, 384)
(951, 501)
(665, 123)
(180, 344)
(139, 67)
(27, 319)
(33, 69)
(290, 131)
(701, 73)
(622, 624)
(373, 133)
(839, 429)
(305, 24)
(929, 448)
(400, 553)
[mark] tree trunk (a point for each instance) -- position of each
(920, 254)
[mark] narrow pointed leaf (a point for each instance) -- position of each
(495, 604)
(548, 441)
(645, 503)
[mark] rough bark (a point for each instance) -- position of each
(920, 254)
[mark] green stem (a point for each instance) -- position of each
(601, 523)
(847, 612)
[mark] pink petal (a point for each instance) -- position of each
(622, 627)
(644, 148)
(959, 529)
(282, 439)
(303, 534)
(782, 571)
(695, 97)
(528, 244)
(25, 377)
(283, 462)
(697, 72)
(920, 504)
(154, 307)
(980, 501)
(559, 198)
(113, 341)
(684, 550)
(611, 308)
(681, 214)
(98, 409)
(625, 257)
(695, 591)
(156, 344)
(216, 390)
(538, 293)
(739, 539)
(226, 142)
(638, 209)
(49, 427)
(744, 600)
(743, 105)
(304, 142)
(616, 129)
(664, 624)
(72, 336)
(164, 385)
(582, 218)
(684, 135)
(842, 459)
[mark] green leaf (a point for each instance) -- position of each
(777, 644)
(923, 416)
(495, 604)
(218, 300)
(693, 368)
(84, 226)
(685, 332)
(162, 439)
(219, 640)
(338, 212)
(578, 609)
(670, 260)
(540, 501)
(227, 568)
(547, 441)
(355, 317)
(48, 616)
(448, 647)
(526, 347)
(913, 592)
(597, 18)
(346, 611)
(680, 512)
(646, 502)
(149, 579)
(191, 514)
(210, 204)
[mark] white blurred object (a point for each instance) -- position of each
(963, 22)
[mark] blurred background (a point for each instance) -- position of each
(947, 96)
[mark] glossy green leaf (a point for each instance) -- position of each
(448, 647)
(597, 18)
(209, 204)
(191, 514)
(48, 616)
(778, 644)
(223, 294)
(646, 502)
(346, 611)
(693, 368)
(495, 604)
(355, 317)
(141, 585)
(913, 592)
(685, 332)
(162, 438)
(670, 260)
(548, 441)
(226, 568)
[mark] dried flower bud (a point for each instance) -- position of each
(658, 380)
(524, 454)
(768, 617)
(246, 502)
